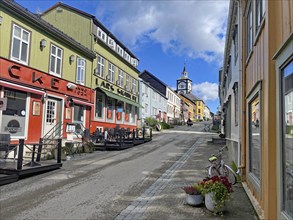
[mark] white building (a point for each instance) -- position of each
(173, 106)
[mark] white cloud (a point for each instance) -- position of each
(190, 28)
(206, 91)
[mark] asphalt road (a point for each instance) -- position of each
(98, 185)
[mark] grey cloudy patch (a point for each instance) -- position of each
(206, 91)
(190, 28)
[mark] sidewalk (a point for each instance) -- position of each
(165, 199)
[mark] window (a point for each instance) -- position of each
(55, 60)
(127, 85)
(134, 62)
(78, 113)
(13, 118)
(120, 81)
(126, 56)
(236, 104)
(287, 137)
(20, 44)
(119, 110)
(111, 43)
(100, 100)
(133, 85)
(101, 66)
(110, 108)
(235, 39)
(146, 108)
(254, 135)
(80, 72)
(111, 73)
(102, 35)
(248, 30)
(259, 13)
(198, 111)
(127, 112)
(119, 50)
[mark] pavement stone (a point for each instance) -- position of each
(166, 199)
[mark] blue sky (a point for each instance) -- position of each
(165, 35)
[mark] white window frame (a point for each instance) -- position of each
(127, 83)
(111, 72)
(119, 50)
(133, 85)
(134, 62)
(80, 71)
(111, 43)
(102, 35)
(56, 58)
(22, 42)
(120, 81)
(101, 66)
(126, 56)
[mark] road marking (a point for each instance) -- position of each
(137, 208)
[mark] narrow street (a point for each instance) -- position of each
(106, 184)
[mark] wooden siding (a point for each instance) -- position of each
(276, 29)
(71, 23)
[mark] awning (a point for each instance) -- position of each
(118, 97)
(22, 88)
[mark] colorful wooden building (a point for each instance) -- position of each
(114, 74)
(45, 77)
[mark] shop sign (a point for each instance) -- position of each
(13, 126)
(121, 92)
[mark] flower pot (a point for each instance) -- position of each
(194, 199)
(210, 204)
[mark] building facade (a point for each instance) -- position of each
(45, 77)
(266, 73)
(114, 73)
(154, 104)
(184, 84)
(230, 84)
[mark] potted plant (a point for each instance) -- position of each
(217, 191)
(194, 196)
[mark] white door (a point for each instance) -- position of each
(50, 116)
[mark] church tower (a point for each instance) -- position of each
(184, 84)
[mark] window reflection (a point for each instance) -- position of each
(287, 145)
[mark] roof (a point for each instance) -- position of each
(148, 84)
(38, 22)
(96, 22)
(153, 76)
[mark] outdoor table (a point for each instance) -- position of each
(32, 163)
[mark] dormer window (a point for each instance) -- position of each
(102, 35)
(127, 56)
(119, 50)
(111, 43)
(134, 62)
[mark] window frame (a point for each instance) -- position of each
(283, 57)
(259, 14)
(18, 59)
(120, 81)
(249, 30)
(100, 67)
(80, 71)
(111, 72)
(256, 92)
(56, 58)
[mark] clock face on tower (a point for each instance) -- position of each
(181, 85)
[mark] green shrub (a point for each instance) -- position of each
(165, 125)
(151, 122)
(289, 128)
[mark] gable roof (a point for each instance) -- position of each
(145, 72)
(39, 23)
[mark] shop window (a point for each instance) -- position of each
(287, 138)
(13, 118)
(110, 108)
(128, 112)
(133, 113)
(254, 135)
(119, 110)
(20, 44)
(100, 100)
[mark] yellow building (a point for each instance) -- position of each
(200, 105)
